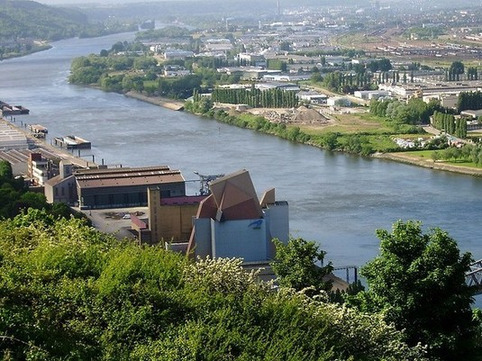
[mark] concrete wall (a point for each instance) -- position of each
(241, 238)
(202, 235)
(64, 191)
(176, 221)
(277, 217)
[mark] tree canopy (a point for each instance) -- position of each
(69, 292)
(298, 264)
(418, 281)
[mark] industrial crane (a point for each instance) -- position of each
(205, 180)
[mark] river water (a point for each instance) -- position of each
(335, 199)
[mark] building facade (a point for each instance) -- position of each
(126, 187)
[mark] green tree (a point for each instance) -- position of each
(418, 280)
(298, 265)
(6, 169)
(456, 69)
(69, 292)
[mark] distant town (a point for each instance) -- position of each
(371, 80)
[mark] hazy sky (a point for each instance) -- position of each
(80, 2)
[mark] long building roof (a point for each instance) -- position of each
(122, 177)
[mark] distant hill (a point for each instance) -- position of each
(29, 19)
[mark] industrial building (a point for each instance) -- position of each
(125, 187)
(62, 188)
(169, 219)
(232, 222)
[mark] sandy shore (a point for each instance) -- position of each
(160, 101)
(429, 163)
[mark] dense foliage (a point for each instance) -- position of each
(256, 98)
(30, 19)
(470, 153)
(361, 143)
(16, 197)
(415, 111)
(418, 281)
(469, 101)
(299, 265)
(449, 124)
(68, 292)
(125, 67)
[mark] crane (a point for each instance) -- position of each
(205, 180)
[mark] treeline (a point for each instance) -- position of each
(340, 82)
(166, 32)
(23, 19)
(256, 98)
(128, 66)
(128, 71)
(469, 101)
(471, 153)
(70, 292)
(415, 111)
(15, 197)
(364, 144)
(448, 123)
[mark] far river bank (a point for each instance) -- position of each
(400, 157)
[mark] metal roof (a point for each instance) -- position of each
(122, 177)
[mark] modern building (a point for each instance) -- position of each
(171, 54)
(126, 187)
(370, 94)
(338, 101)
(232, 222)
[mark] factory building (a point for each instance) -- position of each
(169, 219)
(126, 187)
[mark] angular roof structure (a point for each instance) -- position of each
(235, 197)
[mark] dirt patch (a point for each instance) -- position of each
(304, 115)
(300, 115)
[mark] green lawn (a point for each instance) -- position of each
(427, 154)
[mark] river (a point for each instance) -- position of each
(337, 200)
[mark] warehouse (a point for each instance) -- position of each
(126, 187)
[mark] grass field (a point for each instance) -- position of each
(427, 155)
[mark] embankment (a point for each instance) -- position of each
(398, 157)
(428, 163)
(160, 101)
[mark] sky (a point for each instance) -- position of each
(79, 2)
(76, 2)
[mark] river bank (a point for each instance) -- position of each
(160, 101)
(36, 143)
(33, 50)
(429, 163)
(400, 157)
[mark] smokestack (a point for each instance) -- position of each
(278, 7)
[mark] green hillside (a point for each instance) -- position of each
(29, 19)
